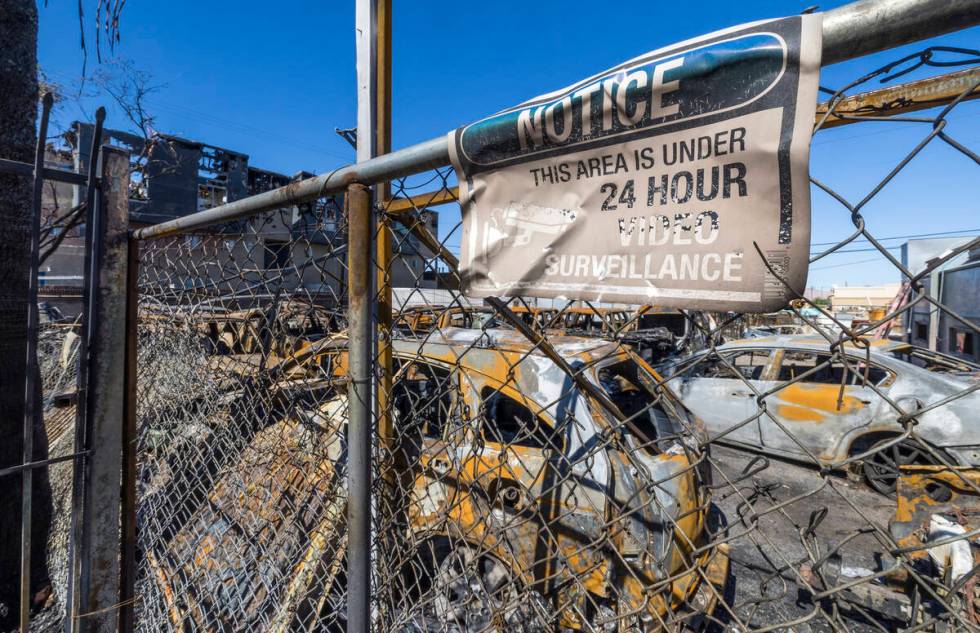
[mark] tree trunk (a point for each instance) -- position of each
(18, 136)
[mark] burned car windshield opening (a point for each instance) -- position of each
(828, 369)
(634, 392)
(423, 397)
(676, 324)
(507, 421)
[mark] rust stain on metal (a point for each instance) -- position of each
(901, 99)
(818, 397)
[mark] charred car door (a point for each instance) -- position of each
(425, 403)
(525, 501)
(716, 388)
(812, 414)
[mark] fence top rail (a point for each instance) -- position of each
(850, 31)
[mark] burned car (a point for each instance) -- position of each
(824, 410)
(421, 319)
(937, 511)
(518, 488)
(519, 491)
(659, 334)
(282, 330)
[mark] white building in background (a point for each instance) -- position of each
(861, 299)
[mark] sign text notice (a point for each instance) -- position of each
(653, 182)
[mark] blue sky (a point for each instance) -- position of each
(273, 80)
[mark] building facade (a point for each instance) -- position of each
(295, 247)
(955, 284)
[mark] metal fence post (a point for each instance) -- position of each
(127, 579)
(360, 338)
(31, 415)
(100, 548)
(93, 222)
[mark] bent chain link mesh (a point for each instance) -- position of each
(533, 471)
(57, 355)
(241, 459)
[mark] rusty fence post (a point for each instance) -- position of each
(360, 349)
(99, 550)
(127, 578)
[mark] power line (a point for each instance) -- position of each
(901, 237)
(860, 261)
(863, 250)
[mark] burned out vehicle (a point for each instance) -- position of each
(520, 491)
(926, 583)
(417, 320)
(502, 445)
(659, 334)
(937, 511)
(824, 410)
(600, 322)
(282, 330)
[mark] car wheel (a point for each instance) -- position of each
(883, 467)
(473, 592)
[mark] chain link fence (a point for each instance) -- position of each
(241, 456)
(57, 355)
(544, 466)
(41, 482)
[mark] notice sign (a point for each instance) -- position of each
(650, 182)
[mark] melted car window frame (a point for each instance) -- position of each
(498, 409)
(724, 358)
(659, 429)
(831, 375)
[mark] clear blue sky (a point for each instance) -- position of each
(272, 80)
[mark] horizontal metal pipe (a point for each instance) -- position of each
(869, 26)
(18, 168)
(404, 162)
(850, 31)
(44, 463)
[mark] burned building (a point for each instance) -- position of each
(173, 177)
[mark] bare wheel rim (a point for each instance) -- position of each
(883, 468)
(470, 589)
(473, 593)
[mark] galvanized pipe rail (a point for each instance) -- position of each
(850, 31)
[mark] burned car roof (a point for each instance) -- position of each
(886, 351)
(511, 340)
(808, 341)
